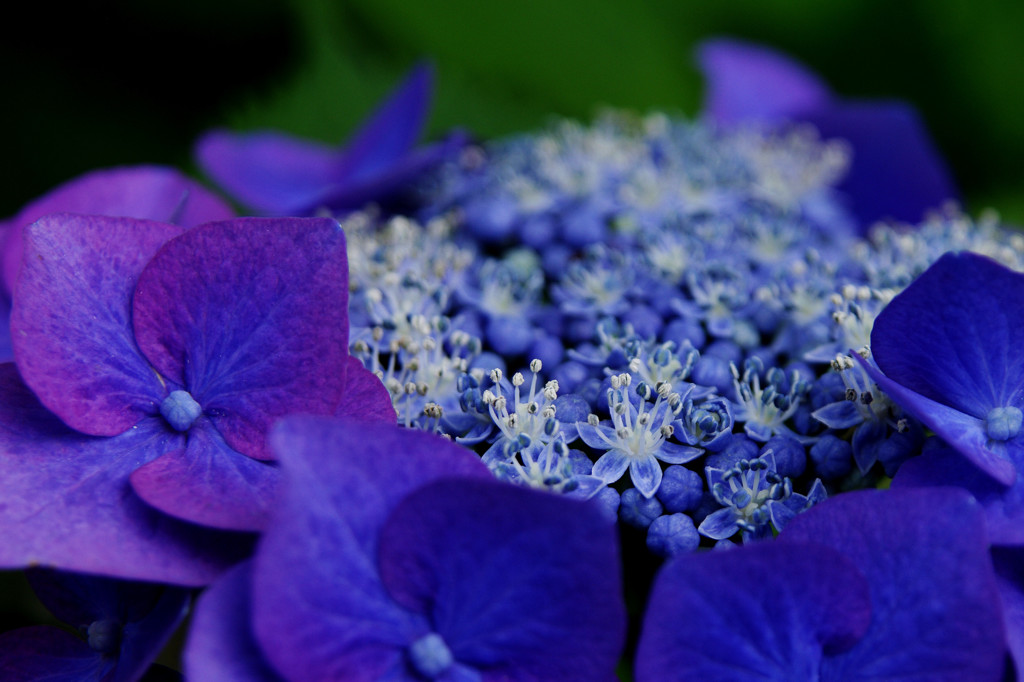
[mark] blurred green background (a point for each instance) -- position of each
(100, 84)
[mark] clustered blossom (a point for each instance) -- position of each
(407, 445)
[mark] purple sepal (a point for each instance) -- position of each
(318, 603)
(144, 192)
(896, 172)
(935, 606)
(71, 319)
(209, 483)
(541, 603)
(766, 611)
(365, 396)
(747, 82)
(280, 175)
(270, 172)
(220, 643)
(44, 652)
(944, 466)
(68, 503)
(251, 317)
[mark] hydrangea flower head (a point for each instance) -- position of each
(399, 557)
(150, 363)
(280, 175)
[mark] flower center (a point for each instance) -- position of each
(180, 409)
(430, 656)
(104, 636)
(1003, 423)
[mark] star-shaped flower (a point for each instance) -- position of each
(150, 363)
(396, 556)
(277, 174)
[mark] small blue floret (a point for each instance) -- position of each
(180, 409)
(430, 656)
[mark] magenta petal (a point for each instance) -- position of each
(392, 130)
(71, 322)
(250, 316)
(47, 653)
(67, 502)
(520, 584)
(896, 172)
(144, 192)
(319, 608)
(209, 483)
(365, 396)
(747, 82)
(220, 642)
(270, 172)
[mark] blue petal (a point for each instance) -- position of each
(610, 466)
(935, 606)
(748, 82)
(896, 171)
(765, 611)
(520, 584)
(646, 475)
(221, 645)
(955, 333)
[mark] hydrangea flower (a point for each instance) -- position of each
(277, 174)
(398, 557)
(150, 363)
(119, 626)
(896, 171)
(867, 585)
(947, 350)
(147, 192)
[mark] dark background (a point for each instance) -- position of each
(118, 82)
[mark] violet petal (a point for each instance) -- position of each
(944, 466)
(145, 192)
(935, 606)
(767, 611)
(250, 316)
(391, 131)
(67, 501)
(896, 172)
(268, 171)
(519, 583)
(71, 322)
(318, 604)
(209, 483)
(748, 82)
(220, 643)
(365, 396)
